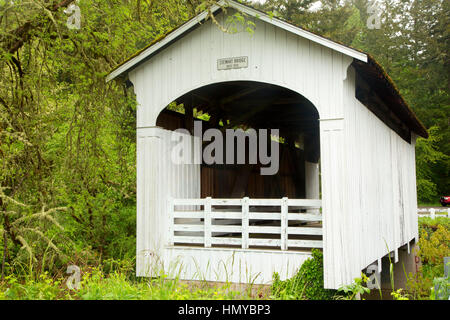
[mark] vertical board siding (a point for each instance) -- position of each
(380, 212)
(335, 226)
(275, 56)
(158, 179)
(232, 265)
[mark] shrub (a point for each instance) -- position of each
(306, 284)
(431, 225)
(434, 245)
(117, 285)
(42, 288)
(433, 248)
(353, 290)
(441, 289)
(418, 286)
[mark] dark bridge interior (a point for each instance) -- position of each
(242, 104)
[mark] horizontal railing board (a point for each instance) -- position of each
(305, 231)
(226, 202)
(226, 215)
(226, 241)
(264, 215)
(251, 202)
(304, 217)
(185, 239)
(264, 202)
(252, 215)
(188, 227)
(231, 229)
(264, 242)
(188, 214)
(270, 230)
(305, 243)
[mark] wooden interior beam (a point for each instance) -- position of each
(189, 116)
(312, 147)
(298, 176)
(244, 116)
(240, 94)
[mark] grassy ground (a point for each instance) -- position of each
(429, 204)
(119, 282)
(95, 285)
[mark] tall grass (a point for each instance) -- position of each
(115, 280)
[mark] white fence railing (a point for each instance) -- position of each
(433, 212)
(282, 223)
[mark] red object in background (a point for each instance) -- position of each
(445, 201)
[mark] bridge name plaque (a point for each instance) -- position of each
(232, 63)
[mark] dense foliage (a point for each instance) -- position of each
(67, 138)
(434, 245)
(116, 284)
(115, 279)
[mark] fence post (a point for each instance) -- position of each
(284, 223)
(448, 213)
(170, 214)
(432, 213)
(245, 222)
(207, 222)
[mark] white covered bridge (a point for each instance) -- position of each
(346, 176)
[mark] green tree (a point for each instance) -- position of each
(67, 139)
(290, 10)
(428, 154)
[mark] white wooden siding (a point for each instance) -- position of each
(231, 265)
(314, 71)
(157, 178)
(249, 12)
(379, 187)
(368, 171)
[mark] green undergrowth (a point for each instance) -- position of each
(118, 285)
(307, 284)
(116, 280)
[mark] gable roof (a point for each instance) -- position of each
(175, 34)
(363, 62)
